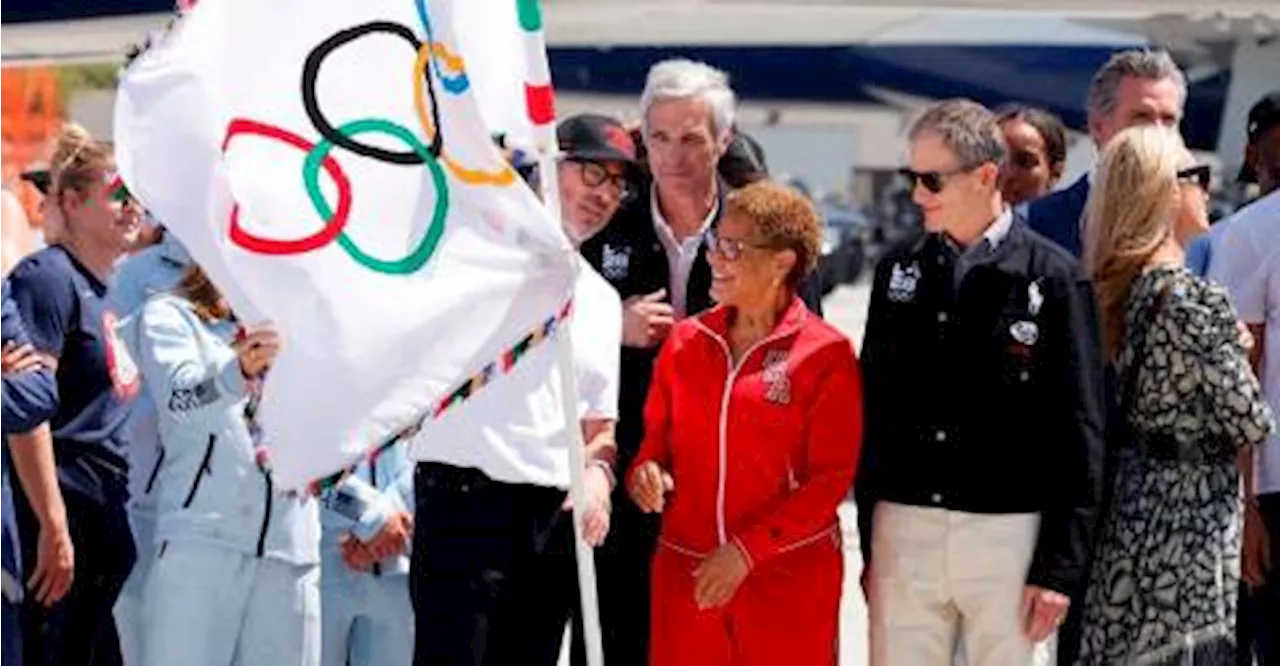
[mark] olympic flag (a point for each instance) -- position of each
(327, 163)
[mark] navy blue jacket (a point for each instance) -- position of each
(1057, 216)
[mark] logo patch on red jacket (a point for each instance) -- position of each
(777, 384)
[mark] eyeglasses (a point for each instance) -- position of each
(933, 181)
(729, 248)
(1201, 175)
(595, 174)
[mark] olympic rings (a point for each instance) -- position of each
(530, 14)
(420, 254)
(503, 176)
(429, 55)
(456, 84)
(311, 71)
(336, 220)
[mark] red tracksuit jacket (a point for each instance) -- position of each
(762, 452)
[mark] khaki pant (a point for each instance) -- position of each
(945, 578)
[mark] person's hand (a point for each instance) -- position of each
(1246, 336)
(1255, 552)
(15, 358)
(1043, 612)
(55, 564)
(393, 538)
(256, 348)
(649, 487)
(355, 555)
(595, 523)
(719, 576)
(646, 320)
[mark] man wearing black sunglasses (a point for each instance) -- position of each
(983, 449)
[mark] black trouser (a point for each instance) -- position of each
(494, 578)
(622, 578)
(79, 629)
(1258, 624)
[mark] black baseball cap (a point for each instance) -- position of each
(595, 138)
(40, 178)
(1264, 116)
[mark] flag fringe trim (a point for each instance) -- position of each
(463, 391)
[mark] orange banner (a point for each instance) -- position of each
(32, 110)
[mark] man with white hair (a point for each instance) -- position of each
(653, 253)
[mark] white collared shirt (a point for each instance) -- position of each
(680, 254)
(994, 234)
(999, 230)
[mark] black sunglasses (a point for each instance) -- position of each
(933, 181)
(1200, 174)
(40, 178)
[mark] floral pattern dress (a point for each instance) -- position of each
(1164, 581)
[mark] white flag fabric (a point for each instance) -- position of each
(327, 163)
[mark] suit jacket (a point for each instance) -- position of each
(1057, 216)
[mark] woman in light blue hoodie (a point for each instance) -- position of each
(236, 575)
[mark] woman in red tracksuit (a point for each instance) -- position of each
(752, 430)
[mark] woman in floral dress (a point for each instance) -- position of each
(1166, 572)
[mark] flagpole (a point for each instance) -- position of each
(585, 554)
(540, 104)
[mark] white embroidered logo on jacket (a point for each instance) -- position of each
(615, 263)
(903, 282)
(777, 385)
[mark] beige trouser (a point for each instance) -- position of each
(938, 577)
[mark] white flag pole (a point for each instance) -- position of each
(577, 447)
(548, 173)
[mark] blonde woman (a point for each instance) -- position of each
(72, 468)
(1167, 567)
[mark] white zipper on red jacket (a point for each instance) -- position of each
(734, 368)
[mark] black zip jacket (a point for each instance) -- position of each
(987, 397)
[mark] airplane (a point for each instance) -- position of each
(830, 53)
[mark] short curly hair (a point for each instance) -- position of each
(784, 219)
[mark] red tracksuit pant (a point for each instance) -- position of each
(785, 612)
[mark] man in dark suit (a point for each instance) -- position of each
(1136, 87)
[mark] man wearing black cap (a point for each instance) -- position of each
(1245, 258)
(1262, 153)
(494, 579)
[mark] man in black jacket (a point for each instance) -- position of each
(981, 470)
(653, 253)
